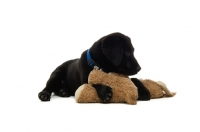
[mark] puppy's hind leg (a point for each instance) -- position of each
(54, 83)
(62, 91)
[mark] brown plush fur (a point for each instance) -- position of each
(86, 94)
(124, 91)
(157, 89)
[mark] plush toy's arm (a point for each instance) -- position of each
(143, 92)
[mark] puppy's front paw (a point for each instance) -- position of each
(44, 96)
(144, 94)
(104, 92)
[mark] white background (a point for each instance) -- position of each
(38, 35)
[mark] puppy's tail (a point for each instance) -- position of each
(166, 90)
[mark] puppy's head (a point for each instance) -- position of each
(116, 54)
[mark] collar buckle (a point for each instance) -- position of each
(96, 68)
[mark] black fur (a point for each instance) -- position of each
(104, 92)
(143, 93)
(113, 52)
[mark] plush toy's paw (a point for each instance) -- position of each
(64, 93)
(44, 96)
(104, 92)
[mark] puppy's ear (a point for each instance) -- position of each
(113, 49)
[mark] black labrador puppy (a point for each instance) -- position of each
(111, 53)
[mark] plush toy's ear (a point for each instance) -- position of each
(113, 49)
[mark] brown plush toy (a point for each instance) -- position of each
(122, 87)
(157, 89)
(124, 90)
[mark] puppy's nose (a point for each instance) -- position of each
(138, 68)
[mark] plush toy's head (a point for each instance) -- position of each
(124, 91)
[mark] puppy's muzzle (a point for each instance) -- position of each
(138, 68)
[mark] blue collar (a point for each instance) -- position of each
(89, 59)
(90, 62)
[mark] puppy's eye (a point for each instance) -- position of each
(127, 53)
